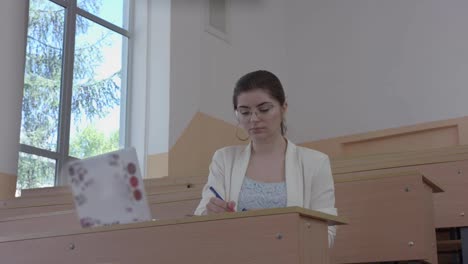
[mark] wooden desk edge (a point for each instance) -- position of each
(330, 219)
(435, 188)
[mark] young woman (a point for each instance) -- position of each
(271, 171)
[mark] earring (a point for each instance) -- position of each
(284, 128)
(237, 134)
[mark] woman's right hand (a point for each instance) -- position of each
(216, 206)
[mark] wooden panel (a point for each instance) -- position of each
(428, 225)
(421, 136)
(68, 220)
(175, 180)
(451, 206)
(174, 188)
(39, 205)
(159, 192)
(157, 165)
(163, 195)
(36, 201)
(34, 210)
(398, 159)
(152, 185)
(388, 220)
(7, 186)
(197, 144)
(463, 131)
(312, 233)
(46, 191)
(253, 238)
(203, 242)
(425, 139)
(377, 175)
(39, 223)
(174, 210)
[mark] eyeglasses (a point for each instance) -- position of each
(244, 114)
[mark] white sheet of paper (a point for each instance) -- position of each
(108, 189)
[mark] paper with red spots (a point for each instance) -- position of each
(108, 189)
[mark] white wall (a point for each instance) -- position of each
(362, 65)
(347, 66)
(256, 41)
(185, 74)
(138, 114)
(204, 68)
(13, 23)
(149, 102)
(159, 75)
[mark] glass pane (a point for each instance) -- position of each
(114, 11)
(42, 79)
(96, 98)
(35, 171)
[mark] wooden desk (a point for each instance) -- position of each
(447, 167)
(390, 218)
(287, 235)
(451, 206)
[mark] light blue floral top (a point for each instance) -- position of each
(261, 195)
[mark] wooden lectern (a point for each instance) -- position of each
(284, 235)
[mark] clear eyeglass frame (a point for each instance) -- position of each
(260, 112)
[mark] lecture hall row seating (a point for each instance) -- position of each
(448, 168)
(66, 218)
(447, 160)
(61, 203)
(445, 166)
(61, 197)
(366, 215)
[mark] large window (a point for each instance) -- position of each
(75, 92)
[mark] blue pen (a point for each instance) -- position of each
(216, 193)
(219, 196)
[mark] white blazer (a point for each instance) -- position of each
(309, 182)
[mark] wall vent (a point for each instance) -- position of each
(217, 18)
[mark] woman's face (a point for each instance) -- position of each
(259, 114)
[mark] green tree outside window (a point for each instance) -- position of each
(96, 89)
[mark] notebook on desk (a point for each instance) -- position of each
(108, 189)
